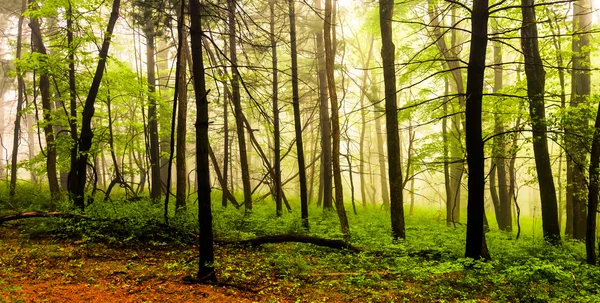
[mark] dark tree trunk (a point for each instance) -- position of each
(37, 46)
(206, 270)
(155, 184)
(447, 183)
(275, 91)
(386, 12)
(72, 93)
(297, 120)
(181, 174)
(535, 92)
(594, 190)
(84, 144)
(235, 91)
(328, 28)
(326, 177)
(20, 94)
(476, 247)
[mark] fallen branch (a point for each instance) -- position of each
(337, 244)
(39, 214)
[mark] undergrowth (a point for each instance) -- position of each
(427, 266)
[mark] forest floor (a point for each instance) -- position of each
(137, 258)
(48, 270)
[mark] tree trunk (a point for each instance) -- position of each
(446, 143)
(235, 91)
(181, 174)
(206, 270)
(37, 46)
(476, 246)
(535, 92)
(297, 120)
(580, 93)
(363, 129)
(386, 12)
(335, 121)
(85, 140)
(378, 112)
(72, 95)
(594, 190)
(155, 184)
(20, 95)
(275, 91)
(499, 149)
(326, 173)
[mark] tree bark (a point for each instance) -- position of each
(580, 93)
(363, 117)
(386, 12)
(155, 184)
(326, 168)
(275, 93)
(206, 270)
(235, 91)
(20, 95)
(594, 191)
(37, 46)
(181, 174)
(85, 139)
(335, 122)
(476, 246)
(535, 73)
(297, 119)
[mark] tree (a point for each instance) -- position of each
(206, 271)
(297, 118)
(575, 130)
(594, 191)
(78, 172)
(37, 46)
(20, 94)
(534, 70)
(181, 175)
(335, 119)
(237, 104)
(149, 32)
(476, 247)
(386, 11)
(326, 170)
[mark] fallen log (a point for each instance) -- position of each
(337, 244)
(39, 214)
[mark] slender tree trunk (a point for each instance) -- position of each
(235, 91)
(363, 117)
(181, 174)
(20, 97)
(499, 149)
(37, 46)
(226, 152)
(326, 170)
(72, 95)
(335, 121)
(206, 270)
(580, 93)
(447, 183)
(275, 91)
(386, 12)
(535, 92)
(297, 118)
(378, 113)
(156, 184)
(476, 247)
(85, 140)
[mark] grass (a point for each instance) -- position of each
(427, 266)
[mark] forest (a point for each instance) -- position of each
(299, 151)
